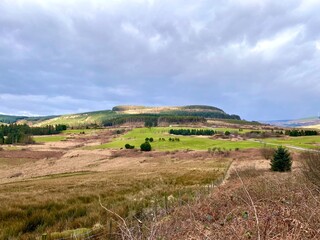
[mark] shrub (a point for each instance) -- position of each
(267, 152)
(227, 133)
(147, 139)
(281, 161)
(128, 146)
(151, 139)
(145, 147)
(311, 167)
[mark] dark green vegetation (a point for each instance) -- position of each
(146, 147)
(188, 132)
(14, 133)
(281, 161)
(152, 120)
(128, 146)
(300, 132)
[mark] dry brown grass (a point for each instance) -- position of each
(279, 205)
(131, 184)
(311, 167)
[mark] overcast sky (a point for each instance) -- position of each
(259, 59)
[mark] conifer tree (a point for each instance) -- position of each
(281, 161)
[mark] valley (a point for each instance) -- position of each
(83, 182)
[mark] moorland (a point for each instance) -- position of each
(207, 176)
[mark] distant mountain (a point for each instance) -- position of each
(99, 117)
(312, 122)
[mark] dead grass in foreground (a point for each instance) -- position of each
(139, 188)
(253, 204)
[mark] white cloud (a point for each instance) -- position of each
(130, 29)
(270, 47)
(317, 44)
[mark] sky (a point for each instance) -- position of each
(259, 59)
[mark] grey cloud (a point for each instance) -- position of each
(248, 57)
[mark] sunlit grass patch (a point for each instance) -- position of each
(53, 138)
(308, 142)
(138, 136)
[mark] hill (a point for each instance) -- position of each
(131, 109)
(121, 114)
(311, 122)
(191, 110)
(7, 119)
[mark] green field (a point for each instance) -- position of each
(234, 130)
(308, 142)
(53, 138)
(137, 136)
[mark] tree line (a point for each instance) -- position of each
(204, 114)
(152, 120)
(14, 133)
(187, 132)
(298, 133)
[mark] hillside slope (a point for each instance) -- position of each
(191, 110)
(312, 122)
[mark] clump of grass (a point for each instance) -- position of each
(311, 167)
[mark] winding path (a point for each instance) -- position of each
(288, 146)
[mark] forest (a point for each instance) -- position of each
(14, 133)
(153, 120)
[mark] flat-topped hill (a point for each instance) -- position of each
(132, 109)
(107, 117)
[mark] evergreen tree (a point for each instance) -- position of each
(281, 161)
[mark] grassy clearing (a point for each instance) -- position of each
(69, 201)
(234, 130)
(138, 135)
(308, 142)
(53, 138)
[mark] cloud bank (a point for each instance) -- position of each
(258, 59)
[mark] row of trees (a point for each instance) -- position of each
(205, 114)
(153, 120)
(14, 133)
(188, 132)
(298, 132)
